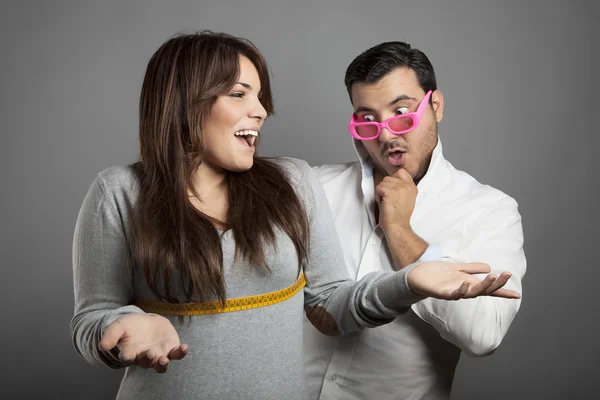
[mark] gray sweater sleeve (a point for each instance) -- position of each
(101, 277)
(334, 303)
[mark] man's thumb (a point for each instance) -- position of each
(403, 174)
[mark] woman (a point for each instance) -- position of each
(201, 219)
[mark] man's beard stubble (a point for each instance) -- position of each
(427, 145)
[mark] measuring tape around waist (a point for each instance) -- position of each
(216, 307)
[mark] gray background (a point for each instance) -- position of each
(520, 91)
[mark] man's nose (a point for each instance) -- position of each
(386, 136)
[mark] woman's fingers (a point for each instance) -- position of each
(506, 293)
(158, 358)
(178, 352)
(500, 282)
(491, 286)
(480, 288)
(161, 365)
(460, 292)
(146, 359)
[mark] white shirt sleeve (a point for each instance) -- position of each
(477, 326)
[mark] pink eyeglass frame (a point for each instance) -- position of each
(415, 116)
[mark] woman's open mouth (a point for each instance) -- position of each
(247, 137)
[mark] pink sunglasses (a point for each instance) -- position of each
(397, 125)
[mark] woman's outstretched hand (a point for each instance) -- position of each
(148, 341)
(453, 281)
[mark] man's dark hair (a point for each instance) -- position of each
(376, 62)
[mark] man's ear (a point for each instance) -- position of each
(437, 101)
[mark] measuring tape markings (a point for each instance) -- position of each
(215, 307)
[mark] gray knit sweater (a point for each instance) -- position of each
(251, 354)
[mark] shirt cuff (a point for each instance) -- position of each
(433, 253)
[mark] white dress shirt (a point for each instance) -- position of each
(415, 356)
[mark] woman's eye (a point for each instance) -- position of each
(401, 110)
(366, 118)
(237, 94)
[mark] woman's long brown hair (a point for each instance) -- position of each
(171, 241)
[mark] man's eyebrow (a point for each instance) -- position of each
(391, 103)
(400, 98)
(361, 109)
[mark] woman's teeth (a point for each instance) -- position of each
(246, 133)
(249, 136)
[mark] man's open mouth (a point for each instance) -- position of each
(396, 158)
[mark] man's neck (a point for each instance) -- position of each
(377, 178)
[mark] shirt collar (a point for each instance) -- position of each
(434, 177)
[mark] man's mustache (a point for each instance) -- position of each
(394, 146)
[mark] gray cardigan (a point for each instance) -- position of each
(251, 354)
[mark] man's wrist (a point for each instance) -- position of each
(399, 233)
(405, 245)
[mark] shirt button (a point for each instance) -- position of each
(333, 378)
(372, 241)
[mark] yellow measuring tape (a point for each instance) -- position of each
(215, 307)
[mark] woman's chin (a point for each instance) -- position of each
(240, 166)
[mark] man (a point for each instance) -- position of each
(403, 203)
